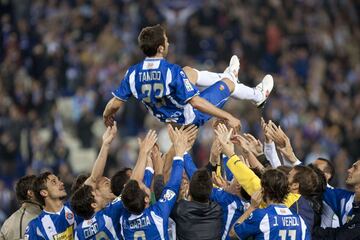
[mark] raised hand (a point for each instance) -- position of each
(179, 140)
(147, 144)
(255, 146)
(216, 150)
(109, 120)
(265, 128)
(276, 134)
(191, 134)
(242, 142)
(109, 134)
(157, 159)
(224, 135)
(235, 124)
(220, 181)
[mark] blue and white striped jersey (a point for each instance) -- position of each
(233, 207)
(52, 226)
(340, 201)
(163, 87)
(153, 222)
(273, 222)
(103, 225)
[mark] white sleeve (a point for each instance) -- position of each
(288, 163)
(271, 154)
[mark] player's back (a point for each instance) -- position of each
(148, 225)
(163, 87)
(103, 225)
(98, 227)
(273, 222)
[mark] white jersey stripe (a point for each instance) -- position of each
(303, 228)
(189, 114)
(109, 225)
(265, 227)
(231, 211)
(132, 84)
(121, 226)
(168, 81)
(348, 208)
(48, 226)
(159, 223)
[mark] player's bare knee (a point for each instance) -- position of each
(191, 73)
(229, 83)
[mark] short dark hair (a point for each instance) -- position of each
(285, 169)
(329, 167)
(81, 201)
(275, 185)
(150, 38)
(78, 182)
(23, 185)
(317, 197)
(39, 185)
(118, 181)
(133, 197)
(307, 179)
(200, 186)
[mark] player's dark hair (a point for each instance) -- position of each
(200, 186)
(329, 167)
(285, 169)
(275, 185)
(316, 198)
(133, 197)
(307, 179)
(118, 181)
(81, 201)
(150, 38)
(23, 185)
(39, 185)
(78, 182)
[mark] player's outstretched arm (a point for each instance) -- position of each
(100, 162)
(145, 149)
(244, 175)
(111, 108)
(206, 107)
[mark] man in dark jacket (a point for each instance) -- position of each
(199, 218)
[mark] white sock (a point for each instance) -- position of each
(206, 78)
(244, 92)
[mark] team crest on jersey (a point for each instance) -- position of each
(167, 196)
(69, 216)
(221, 87)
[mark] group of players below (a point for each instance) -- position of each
(244, 192)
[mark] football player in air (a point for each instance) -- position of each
(169, 92)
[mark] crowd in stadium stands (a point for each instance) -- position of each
(81, 49)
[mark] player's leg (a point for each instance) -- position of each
(257, 95)
(217, 94)
(202, 78)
